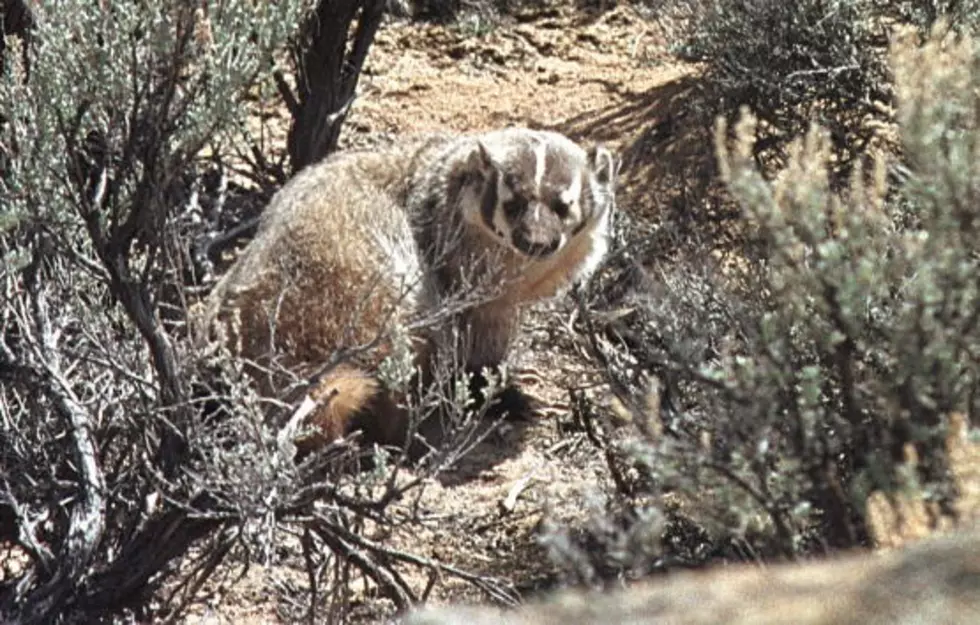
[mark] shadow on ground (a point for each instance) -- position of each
(504, 430)
(668, 176)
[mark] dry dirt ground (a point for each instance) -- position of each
(607, 77)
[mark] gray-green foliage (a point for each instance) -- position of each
(136, 463)
(810, 373)
(133, 73)
(963, 15)
(793, 62)
(870, 337)
(813, 60)
(102, 141)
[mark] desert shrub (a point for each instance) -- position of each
(962, 15)
(796, 62)
(773, 395)
(314, 77)
(98, 438)
(326, 58)
(137, 466)
(793, 63)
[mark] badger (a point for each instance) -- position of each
(450, 236)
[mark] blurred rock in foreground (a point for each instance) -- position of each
(936, 581)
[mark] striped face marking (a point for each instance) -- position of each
(505, 195)
(540, 163)
(543, 190)
(570, 199)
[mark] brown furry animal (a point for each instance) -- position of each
(461, 229)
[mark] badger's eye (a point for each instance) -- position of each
(559, 208)
(514, 207)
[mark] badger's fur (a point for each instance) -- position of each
(478, 225)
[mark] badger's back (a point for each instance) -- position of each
(332, 262)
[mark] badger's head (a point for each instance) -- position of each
(535, 191)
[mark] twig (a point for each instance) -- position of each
(286, 93)
(388, 580)
(87, 517)
(25, 530)
(510, 502)
(202, 572)
(500, 592)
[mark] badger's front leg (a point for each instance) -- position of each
(486, 335)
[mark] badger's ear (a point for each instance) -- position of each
(479, 161)
(603, 163)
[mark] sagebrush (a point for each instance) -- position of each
(774, 392)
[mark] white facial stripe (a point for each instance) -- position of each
(571, 196)
(599, 196)
(540, 153)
